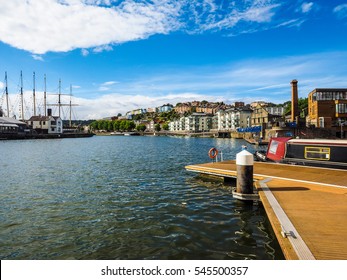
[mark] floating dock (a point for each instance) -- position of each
(307, 206)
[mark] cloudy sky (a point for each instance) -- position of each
(119, 55)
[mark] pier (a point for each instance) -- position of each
(306, 206)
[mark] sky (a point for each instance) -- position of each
(120, 55)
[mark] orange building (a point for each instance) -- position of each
(327, 107)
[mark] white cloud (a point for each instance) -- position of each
(2, 85)
(84, 52)
(106, 85)
(37, 57)
(205, 16)
(112, 104)
(109, 83)
(59, 26)
(341, 11)
(97, 25)
(292, 23)
(102, 48)
(306, 7)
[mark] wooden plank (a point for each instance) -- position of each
(314, 200)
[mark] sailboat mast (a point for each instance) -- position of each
(70, 105)
(21, 94)
(59, 102)
(34, 97)
(45, 97)
(6, 91)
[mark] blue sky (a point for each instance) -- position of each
(123, 55)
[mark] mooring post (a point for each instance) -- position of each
(244, 169)
(244, 179)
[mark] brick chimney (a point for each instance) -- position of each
(295, 106)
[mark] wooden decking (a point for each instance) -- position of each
(307, 204)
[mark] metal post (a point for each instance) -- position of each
(244, 165)
(244, 181)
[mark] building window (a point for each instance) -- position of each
(341, 108)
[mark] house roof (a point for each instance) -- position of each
(11, 121)
(42, 118)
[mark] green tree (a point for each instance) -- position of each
(166, 126)
(102, 125)
(94, 125)
(116, 125)
(157, 127)
(109, 125)
(141, 127)
(302, 106)
(122, 125)
(287, 107)
(129, 125)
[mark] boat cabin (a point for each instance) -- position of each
(314, 152)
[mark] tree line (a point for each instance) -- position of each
(110, 125)
(123, 125)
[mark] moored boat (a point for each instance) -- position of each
(331, 153)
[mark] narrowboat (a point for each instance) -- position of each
(331, 153)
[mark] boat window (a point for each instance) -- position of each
(273, 147)
(318, 153)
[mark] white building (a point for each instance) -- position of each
(165, 108)
(196, 122)
(46, 124)
(177, 125)
(231, 119)
(277, 111)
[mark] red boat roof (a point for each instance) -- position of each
(277, 148)
(281, 139)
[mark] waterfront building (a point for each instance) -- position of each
(177, 125)
(262, 117)
(150, 125)
(233, 118)
(214, 122)
(11, 125)
(46, 124)
(276, 110)
(196, 122)
(327, 108)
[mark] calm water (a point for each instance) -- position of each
(124, 198)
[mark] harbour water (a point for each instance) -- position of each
(127, 198)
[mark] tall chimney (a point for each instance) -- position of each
(295, 106)
(49, 112)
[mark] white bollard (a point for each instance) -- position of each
(244, 169)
